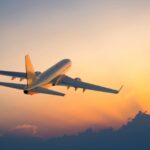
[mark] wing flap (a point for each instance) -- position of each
(68, 81)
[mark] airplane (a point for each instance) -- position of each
(38, 82)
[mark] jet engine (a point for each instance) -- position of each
(29, 92)
(38, 73)
(78, 79)
(26, 92)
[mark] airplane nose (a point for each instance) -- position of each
(67, 60)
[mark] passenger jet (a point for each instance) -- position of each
(38, 82)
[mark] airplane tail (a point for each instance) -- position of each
(31, 77)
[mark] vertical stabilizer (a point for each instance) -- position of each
(31, 77)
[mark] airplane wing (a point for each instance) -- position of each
(37, 90)
(68, 81)
(13, 74)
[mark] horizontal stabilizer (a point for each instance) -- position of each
(13, 74)
(47, 91)
(36, 90)
(13, 85)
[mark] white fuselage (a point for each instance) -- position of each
(55, 71)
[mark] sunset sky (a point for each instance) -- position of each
(108, 42)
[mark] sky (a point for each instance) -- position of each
(108, 43)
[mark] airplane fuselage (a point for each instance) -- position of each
(53, 72)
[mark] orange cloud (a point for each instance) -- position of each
(25, 130)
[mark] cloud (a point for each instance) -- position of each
(134, 135)
(24, 130)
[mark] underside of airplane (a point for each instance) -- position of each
(38, 82)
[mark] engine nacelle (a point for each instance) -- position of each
(26, 92)
(38, 73)
(29, 92)
(78, 79)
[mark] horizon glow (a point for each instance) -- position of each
(108, 43)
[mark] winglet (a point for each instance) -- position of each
(120, 89)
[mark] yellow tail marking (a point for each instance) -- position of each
(31, 77)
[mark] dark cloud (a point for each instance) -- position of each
(134, 135)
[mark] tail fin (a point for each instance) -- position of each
(31, 77)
